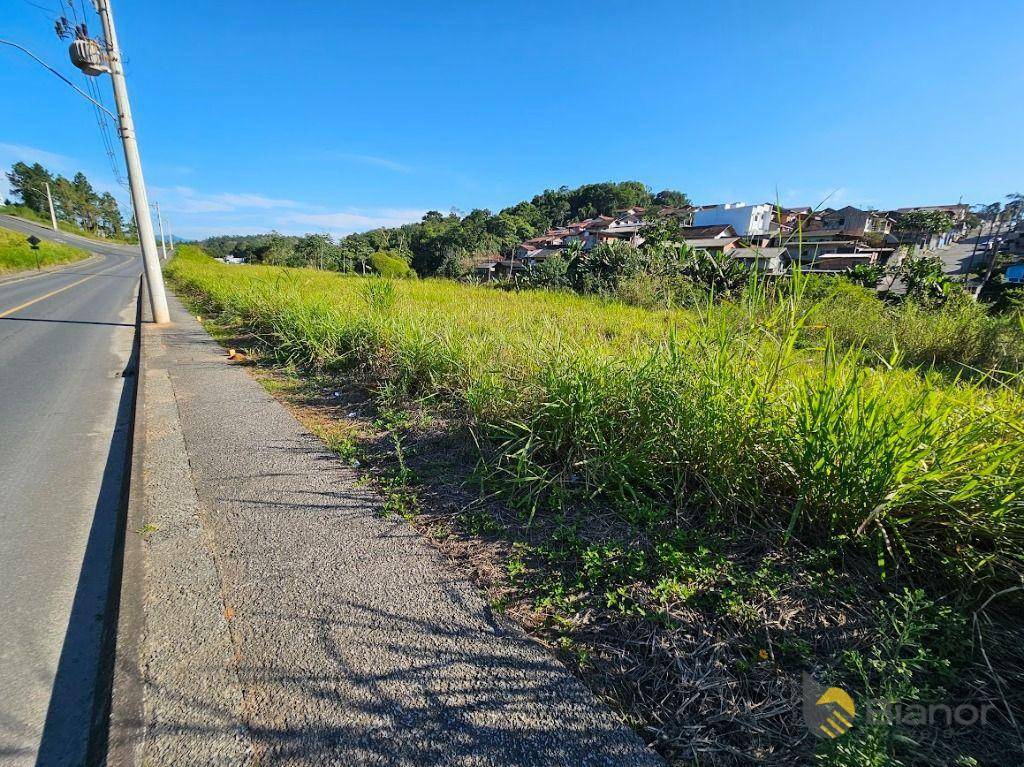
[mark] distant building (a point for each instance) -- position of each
(746, 220)
(959, 212)
(856, 222)
(930, 240)
(819, 249)
(707, 232)
(766, 260)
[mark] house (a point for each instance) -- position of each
(707, 232)
(718, 239)
(930, 240)
(765, 260)
(684, 213)
(856, 222)
(832, 263)
(745, 219)
(625, 225)
(811, 246)
(959, 212)
(556, 237)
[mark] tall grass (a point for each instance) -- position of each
(751, 408)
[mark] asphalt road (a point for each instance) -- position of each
(65, 341)
(956, 258)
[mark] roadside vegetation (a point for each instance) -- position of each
(443, 244)
(696, 501)
(79, 208)
(17, 255)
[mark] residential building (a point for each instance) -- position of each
(745, 219)
(856, 222)
(816, 248)
(707, 232)
(932, 240)
(770, 260)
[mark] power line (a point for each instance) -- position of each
(29, 53)
(43, 8)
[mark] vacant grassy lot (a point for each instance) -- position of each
(704, 504)
(16, 254)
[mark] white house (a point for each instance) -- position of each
(745, 219)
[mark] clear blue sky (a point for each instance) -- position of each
(337, 116)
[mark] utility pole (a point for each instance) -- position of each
(160, 221)
(140, 200)
(49, 199)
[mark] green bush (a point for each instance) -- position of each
(388, 264)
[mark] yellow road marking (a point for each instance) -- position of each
(58, 270)
(55, 292)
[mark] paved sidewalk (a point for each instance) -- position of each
(287, 622)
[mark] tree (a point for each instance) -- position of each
(925, 221)
(926, 282)
(316, 250)
(28, 182)
(671, 197)
(87, 201)
(600, 269)
(720, 273)
(277, 251)
(110, 216)
(1015, 205)
(552, 272)
(64, 200)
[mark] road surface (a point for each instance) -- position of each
(66, 339)
(956, 258)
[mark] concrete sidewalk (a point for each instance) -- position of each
(283, 620)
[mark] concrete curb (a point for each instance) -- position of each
(125, 721)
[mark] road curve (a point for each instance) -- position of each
(66, 338)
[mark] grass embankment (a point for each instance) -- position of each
(21, 211)
(707, 502)
(17, 255)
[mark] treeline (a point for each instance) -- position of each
(444, 244)
(75, 201)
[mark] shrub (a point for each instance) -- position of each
(388, 264)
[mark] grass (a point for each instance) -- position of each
(758, 468)
(28, 214)
(17, 255)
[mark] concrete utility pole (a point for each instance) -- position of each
(140, 201)
(49, 199)
(160, 221)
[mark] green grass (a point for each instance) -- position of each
(17, 255)
(797, 424)
(584, 398)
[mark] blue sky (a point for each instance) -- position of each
(323, 116)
